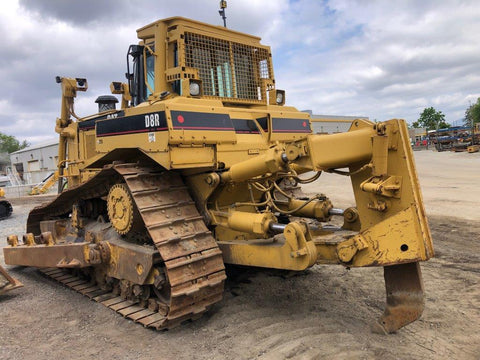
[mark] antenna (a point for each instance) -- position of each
(223, 6)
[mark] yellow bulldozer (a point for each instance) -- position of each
(202, 166)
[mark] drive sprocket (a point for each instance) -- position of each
(120, 208)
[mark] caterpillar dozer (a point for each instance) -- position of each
(202, 166)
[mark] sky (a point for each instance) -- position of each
(381, 59)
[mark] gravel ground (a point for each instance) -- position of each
(324, 312)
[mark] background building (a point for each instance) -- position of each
(331, 124)
(35, 163)
(418, 136)
(4, 163)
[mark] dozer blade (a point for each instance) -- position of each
(7, 282)
(405, 297)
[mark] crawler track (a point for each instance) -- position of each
(192, 260)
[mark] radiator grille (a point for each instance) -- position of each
(228, 69)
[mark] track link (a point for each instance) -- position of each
(193, 262)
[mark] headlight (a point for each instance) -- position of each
(280, 97)
(194, 88)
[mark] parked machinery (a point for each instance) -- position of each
(202, 166)
(5, 206)
(45, 184)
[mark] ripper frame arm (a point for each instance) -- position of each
(387, 194)
(391, 218)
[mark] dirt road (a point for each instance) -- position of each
(323, 313)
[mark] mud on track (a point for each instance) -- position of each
(322, 313)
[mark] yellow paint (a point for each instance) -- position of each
(225, 169)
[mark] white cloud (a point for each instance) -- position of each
(374, 58)
(400, 56)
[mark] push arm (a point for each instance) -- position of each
(70, 87)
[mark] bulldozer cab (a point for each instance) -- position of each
(192, 59)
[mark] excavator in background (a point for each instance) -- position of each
(45, 185)
(202, 166)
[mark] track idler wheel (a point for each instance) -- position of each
(405, 297)
(120, 208)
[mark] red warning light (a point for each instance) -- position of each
(180, 119)
(304, 124)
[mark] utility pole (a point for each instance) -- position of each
(223, 6)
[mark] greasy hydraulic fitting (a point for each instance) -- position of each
(387, 186)
(94, 257)
(347, 249)
(351, 220)
(105, 251)
(99, 253)
(350, 215)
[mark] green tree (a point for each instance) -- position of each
(416, 125)
(472, 114)
(432, 119)
(9, 144)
